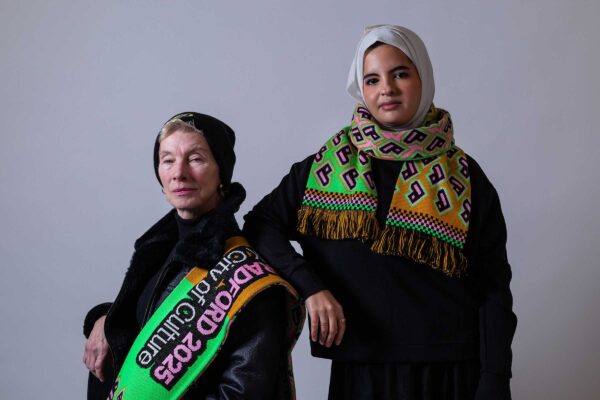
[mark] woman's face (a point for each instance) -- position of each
(189, 173)
(391, 85)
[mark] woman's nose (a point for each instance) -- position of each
(179, 170)
(387, 86)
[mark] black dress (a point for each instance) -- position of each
(426, 381)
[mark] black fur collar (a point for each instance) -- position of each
(203, 246)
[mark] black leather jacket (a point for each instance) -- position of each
(248, 364)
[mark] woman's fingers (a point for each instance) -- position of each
(333, 328)
(341, 330)
(324, 329)
(89, 356)
(314, 325)
(96, 349)
(325, 315)
(99, 367)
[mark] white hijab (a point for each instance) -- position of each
(414, 48)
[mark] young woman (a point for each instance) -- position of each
(197, 315)
(404, 265)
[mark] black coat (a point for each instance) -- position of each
(247, 365)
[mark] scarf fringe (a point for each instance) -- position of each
(421, 248)
(353, 224)
(356, 224)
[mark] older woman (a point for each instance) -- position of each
(404, 265)
(197, 315)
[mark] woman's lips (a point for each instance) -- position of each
(390, 105)
(183, 191)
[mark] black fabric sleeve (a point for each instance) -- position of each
(248, 366)
(497, 322)
(93, 315)
(271, 224)
(493, 387)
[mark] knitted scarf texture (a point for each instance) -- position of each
(428, 218)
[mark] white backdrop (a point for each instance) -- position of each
(86, 85)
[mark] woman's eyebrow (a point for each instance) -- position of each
(395, 69)
(398, 68)
(198, 148)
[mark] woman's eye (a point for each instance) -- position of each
(371, 81)
(196, 160)
(167, 161)
(402, 75)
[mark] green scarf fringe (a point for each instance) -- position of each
(422, 249)
(396, 241)
(336, 225)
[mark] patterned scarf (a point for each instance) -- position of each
(428, 218)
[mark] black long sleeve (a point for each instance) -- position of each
(493, 275)
(93, 315)
(497, 322)
(272, 224)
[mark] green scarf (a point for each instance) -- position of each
(428, 219)
(186, 332)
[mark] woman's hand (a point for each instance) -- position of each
(326, 317)
(96, 350)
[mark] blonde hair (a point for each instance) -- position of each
(175, 125)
